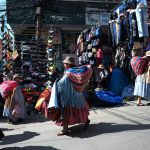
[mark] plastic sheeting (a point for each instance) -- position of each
(107, 97)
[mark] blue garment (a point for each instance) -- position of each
(142, 2)
(112, 32)
(115, 32)
(131, 4)
(123, 29)
(67, 96)
(142, 16)
(118, 81)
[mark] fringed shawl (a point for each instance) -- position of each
(79, 76)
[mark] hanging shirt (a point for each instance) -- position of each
(144, 2)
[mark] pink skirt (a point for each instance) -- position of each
(74, 115)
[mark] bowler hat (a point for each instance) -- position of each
(69, 60)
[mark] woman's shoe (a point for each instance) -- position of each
(141, 104)
(86, 124)
(10, 121)
(63, 133)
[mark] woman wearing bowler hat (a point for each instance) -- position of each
(73, 106)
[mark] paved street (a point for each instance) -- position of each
(118, 128)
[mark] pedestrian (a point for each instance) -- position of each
(103, 77)
(14, 107)
(142, 84)
(73, 106)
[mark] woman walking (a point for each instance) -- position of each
(67, 95)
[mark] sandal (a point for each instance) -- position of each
(141, 104)
(63, 133)
(86, 124)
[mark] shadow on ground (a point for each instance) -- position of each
(18, 137)
(37, 118)
(104, 128)
(6, 129)
(32, 118)
(30, 148)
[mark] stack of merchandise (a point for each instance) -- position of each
(51, 56)
(89, 42)
(42, 61)
(26, 60)
(7, 50)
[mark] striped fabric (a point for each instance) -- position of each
(79, 76)
(139, 64)
(7, 87)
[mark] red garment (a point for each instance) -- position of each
(7, 87)
(99, 56)
(74, 115)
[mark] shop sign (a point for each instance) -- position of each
(104, 18)
(96, 16)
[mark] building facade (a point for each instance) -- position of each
(67, 17)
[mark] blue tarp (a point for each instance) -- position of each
(108, 98)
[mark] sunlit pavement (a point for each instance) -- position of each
(124, 127)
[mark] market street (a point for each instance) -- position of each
(121, 128)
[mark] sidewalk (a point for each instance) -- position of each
(120, 128)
